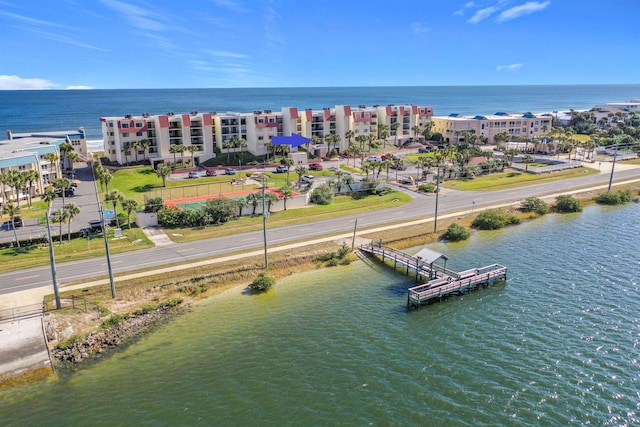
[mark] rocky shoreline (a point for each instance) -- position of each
(114, 337)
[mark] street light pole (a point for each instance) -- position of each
(52, 261)
(613, 165)
(106, 246)
(353, 241)
(435, 220)
(264, 225)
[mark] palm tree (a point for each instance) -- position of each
(12, 210)
(192, 149)
(229, 144)
(287, 162)
(300, 170)
(241, 203)
(129, 205)
(253, 199)
(72, 210)
(72, 157)
(270, 198)
(526, 159)
(126, 150)
(135, 146)
(416, 131)
(383, 133)
(114, 197)
(349, 135)
(286, 192)
(16, 182)
(173, 149)
(394, 127)
(163, 171)
(144, 144)
(52, 158)
(62, 184)
(4, 180)
(106, 178)
(332, 138)
(181, 149)
(65, 148)
(60, 216)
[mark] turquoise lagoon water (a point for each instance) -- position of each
(558, 344)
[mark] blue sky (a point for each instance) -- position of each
(108, 44)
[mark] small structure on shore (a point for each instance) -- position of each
(441, 281)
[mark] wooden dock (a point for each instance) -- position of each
(439, 281)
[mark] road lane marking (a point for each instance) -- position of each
(112, 262)
(250, 238)
(186, 250)
(27, 277)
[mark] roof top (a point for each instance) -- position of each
(430, 256)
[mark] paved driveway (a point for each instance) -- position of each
(85, 197)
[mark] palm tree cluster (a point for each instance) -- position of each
(18, 183)
(103, 176)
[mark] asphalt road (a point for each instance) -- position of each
(421, 206)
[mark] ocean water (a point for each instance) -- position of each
(30, 111)
(558, 344)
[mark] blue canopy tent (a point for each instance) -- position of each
(294, 140)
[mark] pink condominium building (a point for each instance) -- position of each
(129, 138)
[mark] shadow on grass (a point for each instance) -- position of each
(21, 250)
(147, 171)
(144, 188)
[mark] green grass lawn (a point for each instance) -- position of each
(513, 179)
(343, 205)
(81, 248)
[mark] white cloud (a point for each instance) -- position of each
(14, 82)
(522, 10)
(17, 83)
(482, 14)
(511, 67)
(418, 28)
(30, 21)
(138, 17)
(271, 27)
(467, 5)
(231, 5)
(226, 54)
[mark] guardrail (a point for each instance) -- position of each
(22, 312)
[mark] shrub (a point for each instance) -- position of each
(617, 198)
(322, 195)
(262, 283)
(490, 220)
(153, 204)
(565, 204)
(455, 233)
(427, 188)
(112, 321)
(534, 204)
(344, 250)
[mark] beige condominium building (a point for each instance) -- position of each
(454, 126)
(151, 137)
(26, 152)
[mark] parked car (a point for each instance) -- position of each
(373, 159)
(281, 169)
(211, 172)
(17, 222)
(400, 166)
(307, 178)
(229, 171)
(192, 175)
(68, 192)
(425, 149)
(315, 167)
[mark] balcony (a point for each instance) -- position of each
(196, 132)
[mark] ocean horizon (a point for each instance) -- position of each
(48, 110)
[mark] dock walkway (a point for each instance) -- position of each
(440, 281)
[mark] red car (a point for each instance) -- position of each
(211, 173)
(315, 167)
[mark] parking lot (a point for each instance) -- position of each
(84, 196)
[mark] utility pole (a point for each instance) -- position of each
(106, 246)
(52, 261)
(264, 225)
(435, 220)
(613, 165)
(353, 241)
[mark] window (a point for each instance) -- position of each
(110, 133)
(125, 125)
(272, 120)
(138, 125)
(125, 135)
(110, 124)
(260, 138)
(138, 133)
(260, 121)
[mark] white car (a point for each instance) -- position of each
(307, 178)
(373, 159)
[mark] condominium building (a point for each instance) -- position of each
(128, 138)
(24, 152)
(454, 126)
